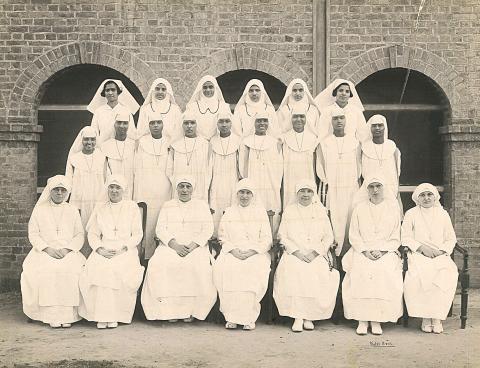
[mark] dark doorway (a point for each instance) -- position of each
(413, 122)
(63, 112)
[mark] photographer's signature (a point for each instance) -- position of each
(382, 344)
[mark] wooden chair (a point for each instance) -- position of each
(463, 278)
(141, 246)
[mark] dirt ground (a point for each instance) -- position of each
(201, 344)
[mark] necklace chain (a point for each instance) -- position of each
(115, 220)
(189, 159)
(57, 222)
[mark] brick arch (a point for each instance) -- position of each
(421, 60)
(29, 86)
(245, 57)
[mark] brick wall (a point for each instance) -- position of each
(183, 40)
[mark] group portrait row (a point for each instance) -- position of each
(314, 177)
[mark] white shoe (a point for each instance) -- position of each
(376, 328)
(308, 325)
(230, 325)
(437, 326)
(249, 327)
(173, 320)
(66, 325)
(362, 328)
(427, 325)
(101, 325)
(297, 325)
(189, 319)
(112, 324)
(55, 325)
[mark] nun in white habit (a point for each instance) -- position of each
(306, 285)
(261, 160)
(373, 286)
(432, 276)
(298, 98)
(51, 270)
(112, 273)
(179, 282)
(151, 183)
(241, 271)
(341, 93)
(191, 156)
(112, 98)
(299, 145)
(225, 147)
(119, 151)
(86, 170)
(160, 105)
(206, 101)
(381, 155)
(254, 101)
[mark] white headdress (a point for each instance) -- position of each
(326, 97)
(125, 98)
(303, 103)
(54, 182)
(204, 104)
(426, 187)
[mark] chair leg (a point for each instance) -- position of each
(465, 283)
(405, 314)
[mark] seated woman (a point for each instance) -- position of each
(305, 285)
(242, 269)
(179, 281)
(432, 276)
(51, 269)
(112, 273)
(372, 287)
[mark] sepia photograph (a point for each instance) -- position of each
(239, 183)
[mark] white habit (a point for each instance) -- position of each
(120, 160)
(305, 290)
(152, 184)
(49, 286)
(241, 284)
(109, 286)
(180, 287)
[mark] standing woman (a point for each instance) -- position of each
(111, 99)
(112, 273)
(298, 98)
(52, 268)
(225, 166)
(305, 283)
(341, 93)
(152, 184)
(432, 276)
(207, 100)
(86, 170)
(373, 285)
(241, 271)
(254, 101)
(381, 155)
(160, 105)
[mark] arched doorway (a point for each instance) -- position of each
(413, 118)
(63, 112)
(233, 83)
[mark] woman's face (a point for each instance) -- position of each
(244, 197)
(254, 92)
(115, 193)
(224, 125)
(426, 199)
(298, 122)
(58, 195)
(261, 125)
(208, 89)
(184, 191)
(375, 192)
(111, 92)
(377, 129)
(160, 91)
(190, 128)
(343, 93)
(156, 127)
(88, 144)
(298, 92)
(305, 196)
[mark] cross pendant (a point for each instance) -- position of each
(115, 230)
(57, 230)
